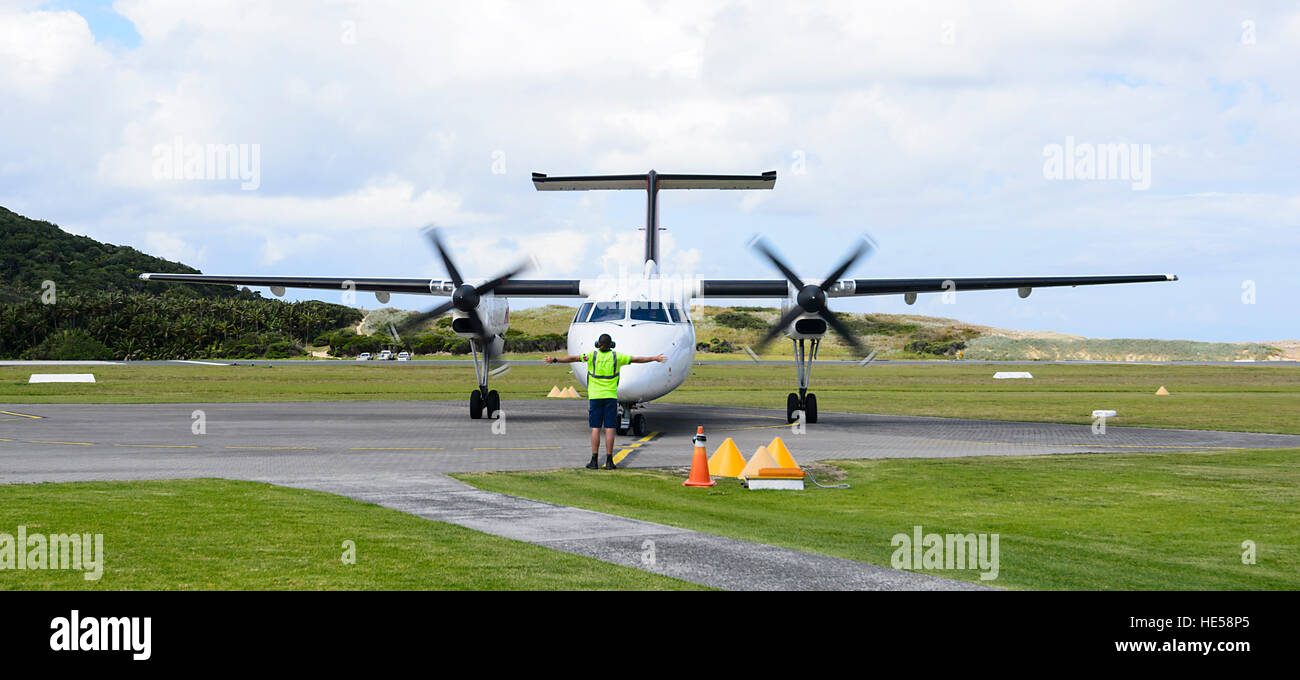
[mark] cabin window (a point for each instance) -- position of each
(608, 311)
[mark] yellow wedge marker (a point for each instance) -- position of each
(726, 461)
(1162, 392)
(555, 392)
(762, 459)
(781, 454)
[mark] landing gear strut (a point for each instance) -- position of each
(482, 399)
(805, 353)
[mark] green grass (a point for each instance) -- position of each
(1083, 521)
(218, 534)
(1255, 398)
(1250, 398)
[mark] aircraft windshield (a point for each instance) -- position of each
(650, 311)
(583, 311)
(608, 311)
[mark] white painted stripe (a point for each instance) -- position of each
(61, 378)
(200, 363)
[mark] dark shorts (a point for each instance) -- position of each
(602, 413)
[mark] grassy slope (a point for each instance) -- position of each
(217, 534)
(1248, 398)
(1091, 521)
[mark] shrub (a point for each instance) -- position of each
(70, 345)
(739, 320)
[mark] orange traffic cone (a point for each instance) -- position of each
(699, 463)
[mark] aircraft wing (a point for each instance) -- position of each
(777, 288)
(416, 286)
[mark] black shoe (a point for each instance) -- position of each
(593, 465)
(609, 464)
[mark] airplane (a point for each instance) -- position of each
(647, 314)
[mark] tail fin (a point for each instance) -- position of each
(651, 183)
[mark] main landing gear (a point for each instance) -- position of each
(630, 422)
(804, 401)
(482, 399)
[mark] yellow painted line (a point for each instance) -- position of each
(517, 448)
(395, 448)
(631, 448)
(6, 440)
(1092, 446)
(158, 446)
(274, 448)
(21, 415)
(68, 443)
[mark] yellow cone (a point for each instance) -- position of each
(726, 461)
(572, 393)
(762, 459)
(555, 391)
(1162, 392)
(781, 454)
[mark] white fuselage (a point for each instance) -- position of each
(639, 328)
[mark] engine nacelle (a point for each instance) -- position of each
(494, 311)
(806, 327)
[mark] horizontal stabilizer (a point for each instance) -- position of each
(766, 180)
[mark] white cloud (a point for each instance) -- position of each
(933, 148)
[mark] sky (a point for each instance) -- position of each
(959, 136)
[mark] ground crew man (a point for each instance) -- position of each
(602, 392)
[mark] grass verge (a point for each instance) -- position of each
(1080, 521)
(211, 534)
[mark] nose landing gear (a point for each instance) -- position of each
(804, 401)
(635, 423)
(482, 399)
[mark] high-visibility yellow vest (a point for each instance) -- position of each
(602, 373)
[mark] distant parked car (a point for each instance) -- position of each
(364, 356)
(403, 356)
(385, 355)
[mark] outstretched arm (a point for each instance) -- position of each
(571, 359)
(645, 360)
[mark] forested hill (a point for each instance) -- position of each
(100, 309)
(33, 251)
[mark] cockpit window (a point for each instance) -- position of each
(650, 311)
(583, 311)
(675, 312)
(608, 311)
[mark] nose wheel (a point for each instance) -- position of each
(483, 401)
(808, 404)
(630, 423)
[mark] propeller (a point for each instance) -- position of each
(811, 298)
(465, 297)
